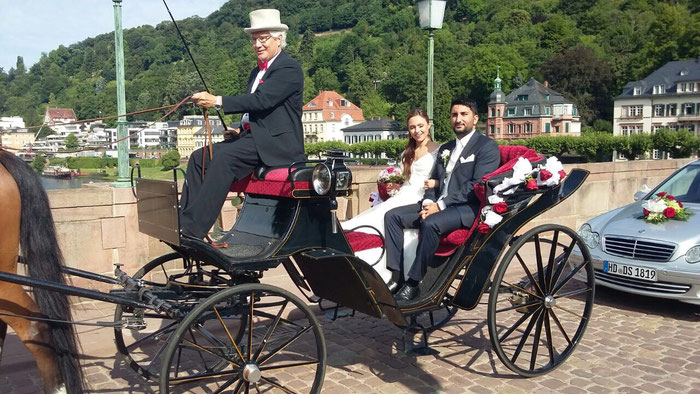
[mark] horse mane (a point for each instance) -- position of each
(39, 249)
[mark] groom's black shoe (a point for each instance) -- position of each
(407, 293)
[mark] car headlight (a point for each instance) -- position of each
(321, 179)
(343, 180)
(592, 239)
(693, 255)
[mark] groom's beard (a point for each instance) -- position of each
(461, 133)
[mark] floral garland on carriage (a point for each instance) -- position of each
(549, 174)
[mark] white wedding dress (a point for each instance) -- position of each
(410, 193)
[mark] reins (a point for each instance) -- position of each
(210, 143)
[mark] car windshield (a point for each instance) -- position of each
(685, 185)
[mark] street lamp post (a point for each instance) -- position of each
(430, 16)
(123, 155)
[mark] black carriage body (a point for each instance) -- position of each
(481, 257)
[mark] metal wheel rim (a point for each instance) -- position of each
(539, 319)
(260, 347)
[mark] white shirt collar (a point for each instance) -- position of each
(462, 142)
(269, 62)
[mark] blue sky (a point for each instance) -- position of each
(30, 27)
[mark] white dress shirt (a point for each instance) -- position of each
(245, 119)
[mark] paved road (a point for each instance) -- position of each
(633, 344)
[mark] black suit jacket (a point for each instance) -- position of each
(460, 190)
(275, 111)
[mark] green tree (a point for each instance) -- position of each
(71, 141)
(45, 131)
(685, 144)
(664, 140)
(584, 78)
(170, 160)
(326, 79)
(39, 163)
(306, 47)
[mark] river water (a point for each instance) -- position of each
(74, 183)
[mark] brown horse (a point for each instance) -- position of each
(26, 223)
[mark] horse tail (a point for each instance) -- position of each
(40, 250)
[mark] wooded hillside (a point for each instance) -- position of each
(586, 49)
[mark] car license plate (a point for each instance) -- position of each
(630, 271)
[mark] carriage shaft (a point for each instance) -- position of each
(72, 290)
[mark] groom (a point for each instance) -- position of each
(449, 206)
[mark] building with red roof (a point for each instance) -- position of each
(53, 116)
(326, 115)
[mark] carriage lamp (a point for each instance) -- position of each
(591, 238)
(343, 180)
(693, 255)
(321, 179)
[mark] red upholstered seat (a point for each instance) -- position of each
(276, 183)
(363, 241)
(509, 156)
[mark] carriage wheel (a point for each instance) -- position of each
(143, 349)
(541, 300)
(282, 350)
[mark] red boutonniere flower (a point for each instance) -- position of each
(531, 184)
(483, 228)
(669, 212)
(544, 175)
(261, 81)
(500, 207)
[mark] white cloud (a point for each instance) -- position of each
(30, 27)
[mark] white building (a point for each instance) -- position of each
(11, 122)
(326, 115)
(374, 130)
(668, 97)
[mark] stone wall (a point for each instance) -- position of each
(609, 185)
(97, 225)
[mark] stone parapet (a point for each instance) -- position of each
(97, 225)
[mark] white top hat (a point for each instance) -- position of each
(265, 20)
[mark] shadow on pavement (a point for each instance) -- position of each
(648, 305)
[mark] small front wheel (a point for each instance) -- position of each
(282, 348)
(541, 300)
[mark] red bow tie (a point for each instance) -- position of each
(262, 65)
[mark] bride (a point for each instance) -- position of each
(417, 163)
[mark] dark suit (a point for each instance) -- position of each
(275, 138)
(461, 204)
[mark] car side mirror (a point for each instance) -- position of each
(639, 195)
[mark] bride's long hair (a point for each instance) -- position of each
(409, 154)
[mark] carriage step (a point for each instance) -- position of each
(335, 311)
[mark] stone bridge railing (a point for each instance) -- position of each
(97, 224)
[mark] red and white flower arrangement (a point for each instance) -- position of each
(391, 174)
(548, 175)
(389, 181)
(662, 208)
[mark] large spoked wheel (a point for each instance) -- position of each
(188, 282)
(282, 349)
(541, 300)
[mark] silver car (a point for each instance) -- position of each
(659, 260)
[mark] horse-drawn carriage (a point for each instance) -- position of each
(199, 318)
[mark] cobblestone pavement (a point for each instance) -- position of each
(632, 344)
